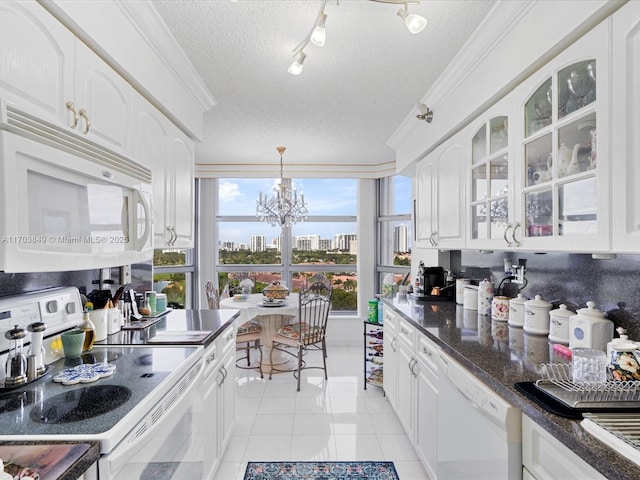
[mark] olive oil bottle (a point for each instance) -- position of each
(89, 332)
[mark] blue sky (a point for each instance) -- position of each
(323, 196)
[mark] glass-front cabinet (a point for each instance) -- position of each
(563, 182)
(490, 206)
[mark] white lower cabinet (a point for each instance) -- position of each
(411, 385)
(426, 434)
(390, 349)
(218, 399)
(545, 457)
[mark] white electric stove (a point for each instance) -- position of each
(146, 415)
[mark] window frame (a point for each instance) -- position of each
(385, 190)
(286, 268)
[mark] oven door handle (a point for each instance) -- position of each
(162, 415)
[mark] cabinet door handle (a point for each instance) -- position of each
(431, 240)
(513, 234)
(87, 124)
(427, 352)
(223, 372)
(211, 357)
(72, 108)
(506, 231)
(436, 239)
(412, 363)
(174, 235)
(393, 347)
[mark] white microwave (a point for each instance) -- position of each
(67, 203)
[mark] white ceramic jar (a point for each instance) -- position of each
(536, 316)
(559, 324)
(485, 296)
(470, 300)
(461, 283)
(589, 329)
(516, 311)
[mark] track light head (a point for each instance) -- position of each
(425, 114)
(415, 23)
(296, 67)
(319, 33)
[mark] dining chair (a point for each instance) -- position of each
(248, 334)
(306, 331)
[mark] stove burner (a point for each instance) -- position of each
(17, 400)
(80, 404)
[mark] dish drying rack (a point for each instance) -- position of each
(557, 381)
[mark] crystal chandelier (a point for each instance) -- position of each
(284, 208)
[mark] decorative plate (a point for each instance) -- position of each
(85, 373)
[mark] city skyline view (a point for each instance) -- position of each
(324, 196)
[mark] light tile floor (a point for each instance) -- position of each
(336, 419)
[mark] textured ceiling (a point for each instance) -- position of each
(352, 95)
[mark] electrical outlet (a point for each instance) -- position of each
(518, 271)
(125, 274)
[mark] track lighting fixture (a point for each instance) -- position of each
(415, 23)
(425, 114)
(318, 34)
(296, 67)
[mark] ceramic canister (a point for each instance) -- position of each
(536, 316)
(460, 284)
(559, 324)
(516, 311)
(485, 296)
(470, 301)
(589, 329)
(500, 308)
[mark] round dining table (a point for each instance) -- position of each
(270, 316)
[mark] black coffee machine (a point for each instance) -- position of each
(433, 284)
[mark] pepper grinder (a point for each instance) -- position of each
(16, 366)
(37, 348)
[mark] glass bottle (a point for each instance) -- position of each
(89, 332)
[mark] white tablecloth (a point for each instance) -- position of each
(270, 318)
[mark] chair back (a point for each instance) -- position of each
(212, 295)
(313, 312)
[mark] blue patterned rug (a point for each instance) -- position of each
(320, 471)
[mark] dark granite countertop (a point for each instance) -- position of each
(501, 357)
(51, 460)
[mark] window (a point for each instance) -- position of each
(325, 242)
(173, 275)
(394, 232)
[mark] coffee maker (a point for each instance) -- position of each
(432, 284)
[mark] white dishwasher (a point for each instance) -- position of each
(479, 433)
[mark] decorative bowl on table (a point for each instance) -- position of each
(275, 291)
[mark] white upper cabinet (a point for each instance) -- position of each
(51, 74)
(170, 155)
(491, 171)
(439, 207)
(104, 101)
(37, 52)
(180, 171)
(563, 172)
(625, 125)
